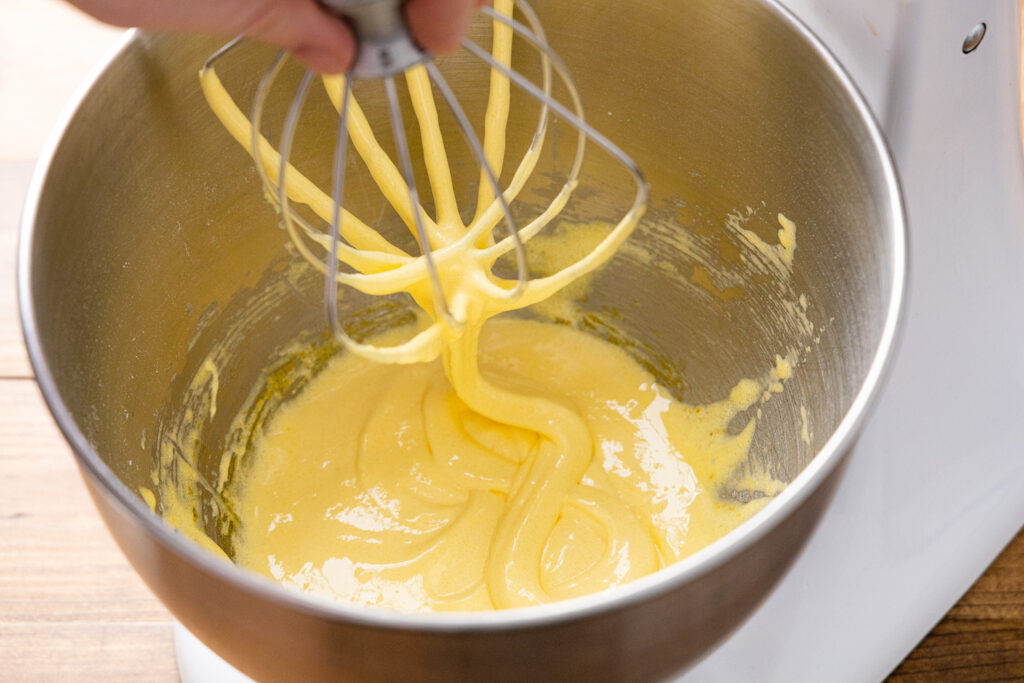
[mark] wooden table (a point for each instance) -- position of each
(71, 608)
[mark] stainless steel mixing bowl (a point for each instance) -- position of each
(144, 242)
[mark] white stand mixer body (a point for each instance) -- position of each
(935, 487)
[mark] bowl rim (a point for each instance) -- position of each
(641, 590)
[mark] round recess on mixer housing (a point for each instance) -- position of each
(973, 39)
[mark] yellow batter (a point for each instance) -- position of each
(460, 466)
(378, 485)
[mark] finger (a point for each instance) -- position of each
(312, 34)
(438, 25)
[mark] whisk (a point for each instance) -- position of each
(453, 255)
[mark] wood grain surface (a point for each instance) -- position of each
(982, 637)
(71, 608)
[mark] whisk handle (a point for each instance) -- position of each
(385, 45)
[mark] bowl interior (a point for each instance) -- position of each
(153, 250)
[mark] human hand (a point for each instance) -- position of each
(309, 31)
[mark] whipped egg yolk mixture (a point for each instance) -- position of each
(379, 485)
(483, 464)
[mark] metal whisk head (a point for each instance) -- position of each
(378, 267)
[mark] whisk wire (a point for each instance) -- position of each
(398, 130)
(338, 194)
(258, 103)
(478, 151)
(287, 138)
(276, 193)
(577, 118)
